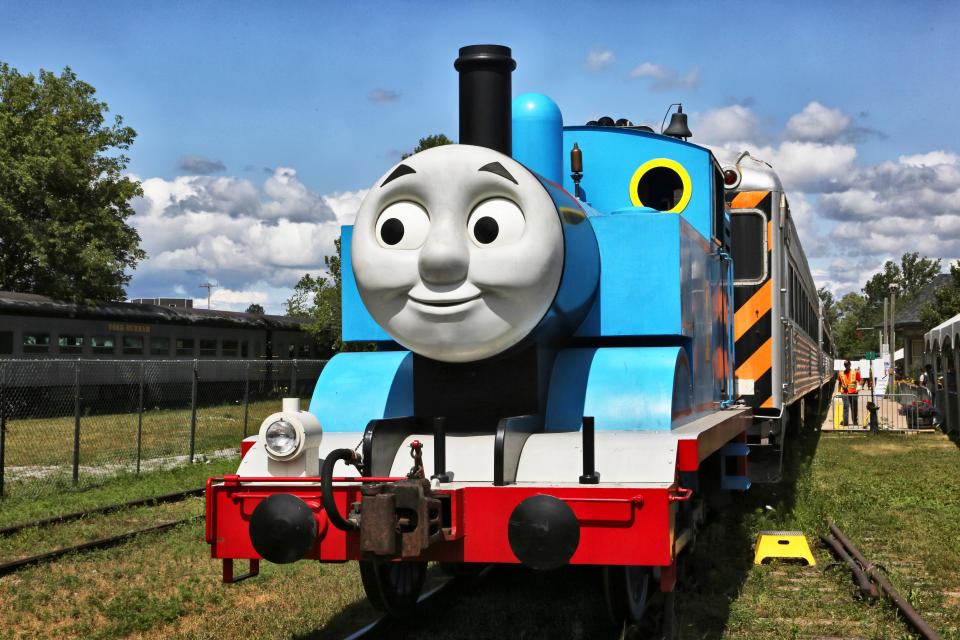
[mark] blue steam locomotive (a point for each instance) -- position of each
(553, 381)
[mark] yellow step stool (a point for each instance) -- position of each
(782, 544)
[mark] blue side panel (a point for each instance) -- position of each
(355, 388)
(612, 155)
(628, 388)
(358, 324)
(640, 276)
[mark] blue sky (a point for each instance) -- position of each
(261, 125)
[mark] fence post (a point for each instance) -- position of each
(3, 423)
(76, 422)
(193, 407)
(246, 398)
(293, 380)
(140, 421)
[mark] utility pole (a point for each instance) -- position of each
(893, 338)
(208, 287)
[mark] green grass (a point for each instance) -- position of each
(112, 438)
(25, 507)
(894, 496)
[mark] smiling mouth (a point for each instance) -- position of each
(444, 303)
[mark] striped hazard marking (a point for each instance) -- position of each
(752, 323)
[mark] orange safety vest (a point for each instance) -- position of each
(848, 383)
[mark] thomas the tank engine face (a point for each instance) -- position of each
(458, 252)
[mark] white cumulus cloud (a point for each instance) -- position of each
(255, 242)
(817, 122)
(665, 77)
(599, 59)
(735, 122)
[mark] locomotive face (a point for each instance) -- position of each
(457, 252)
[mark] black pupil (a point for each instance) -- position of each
(391, 232)
(486, 230)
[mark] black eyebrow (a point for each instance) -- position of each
(402, 170)
(497, 168)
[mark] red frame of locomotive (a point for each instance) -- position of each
(619, 525)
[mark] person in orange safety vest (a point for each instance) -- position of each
(849, 380)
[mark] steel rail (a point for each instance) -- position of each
(444, 584)
(102, 543)
(867, 588)
(167, 497)
(905, 607)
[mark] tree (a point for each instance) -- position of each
(946, 302)
(436, 140)
(830, 312)
(255, 308)
(319, 299)
(910, 277)
(64, 200)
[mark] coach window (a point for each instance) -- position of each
(36, 342)
(748, 240)
(6, 342)
(102, 344)
(230, 348)
(208, 348)
(70, 344)
(185, 347)
(159, 346)
(305, 351)
(244, 349)
(133, 345)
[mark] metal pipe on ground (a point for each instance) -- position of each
(867, 588)
(904, 606)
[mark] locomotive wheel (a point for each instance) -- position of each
(626, 590)
(393, 587)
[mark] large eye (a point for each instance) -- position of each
(494, 222)
(402, 225)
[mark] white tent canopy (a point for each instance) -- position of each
(947, 331)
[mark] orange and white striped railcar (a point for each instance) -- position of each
(784, 350)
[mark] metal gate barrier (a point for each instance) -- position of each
(902, 412)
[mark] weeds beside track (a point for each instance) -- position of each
(895, 496)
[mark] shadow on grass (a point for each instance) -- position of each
(516, 602)
(509, 602)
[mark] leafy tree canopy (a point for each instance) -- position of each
(319, 299)
(64, 200)
(255, 308)
(436, 140)
(946, 302)
(909, 277)
(830, 311)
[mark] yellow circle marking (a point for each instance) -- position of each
(669, 164)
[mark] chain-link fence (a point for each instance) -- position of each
(72, 422)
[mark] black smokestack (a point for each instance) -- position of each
(485, 96)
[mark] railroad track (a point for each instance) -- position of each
(445, 583)
(101, 543)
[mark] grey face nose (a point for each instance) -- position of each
(444, 259)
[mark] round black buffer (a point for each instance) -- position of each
(543, 532)
(283, 528)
